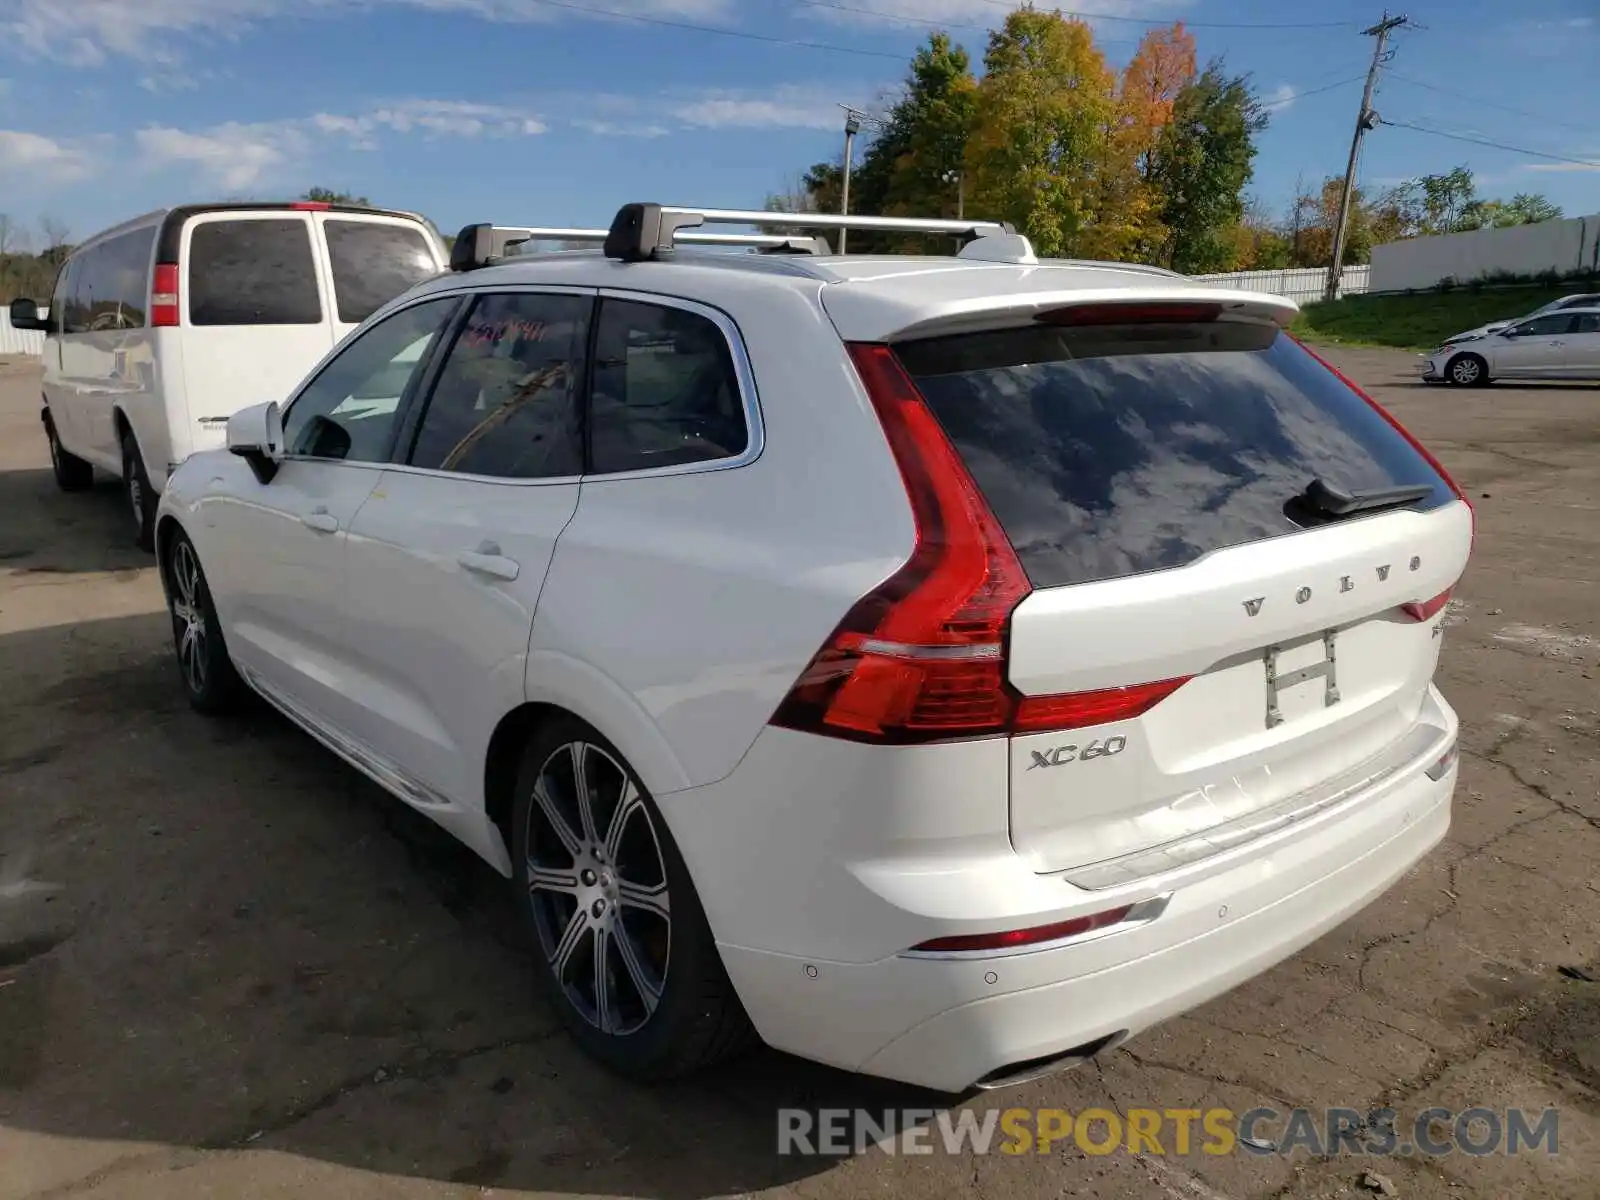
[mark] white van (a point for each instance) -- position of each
(163, 327)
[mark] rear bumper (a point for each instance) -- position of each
(949, 1023)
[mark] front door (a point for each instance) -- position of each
(448, 555)
(279, 578)
(1534, 349)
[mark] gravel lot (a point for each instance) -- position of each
(252, 974)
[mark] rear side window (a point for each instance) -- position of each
(374, 262)
(253, 273)
(665, 392)
(1107, 451)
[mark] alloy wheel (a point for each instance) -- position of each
(1465, 370)
(597, 884)
(189, 615)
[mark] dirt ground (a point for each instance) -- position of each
(230, 966)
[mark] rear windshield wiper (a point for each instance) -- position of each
(1327, 500)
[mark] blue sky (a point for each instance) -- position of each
(557, 111)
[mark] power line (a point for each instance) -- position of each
(1520, 112)
(1461, 137)
(1094, 16)
(1314, 91)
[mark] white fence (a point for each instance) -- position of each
(18, 341)
(1566, 245)
(1300, 284)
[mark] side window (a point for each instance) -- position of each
(373, 262)
(87, 286)
(348, 412)
(1547, 326)
(507, 400)
(61, 303)
(131, 257)
(665, 391)
(256, 272)
(1588, 323)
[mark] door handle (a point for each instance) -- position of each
(487, 560)
(321, 520)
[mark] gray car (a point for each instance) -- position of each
(1564, 344)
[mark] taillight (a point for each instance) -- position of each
(1423, 610)
(922, 657)
(164, 295)
(311, 205)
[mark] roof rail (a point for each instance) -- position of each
(641, 232)
(480, 245)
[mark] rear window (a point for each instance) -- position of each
(253, 273)
(373, 263)
(1107, 451)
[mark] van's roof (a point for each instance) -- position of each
(172, 219)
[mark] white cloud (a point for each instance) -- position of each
(239, 155)
(1281, 96)
(87, 32)
(40, 157)
(787, 106)
(988, 15)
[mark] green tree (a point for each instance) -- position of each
(1045, 111)
(322, 195)
(1202, 163)
(931, 126)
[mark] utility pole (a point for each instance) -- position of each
(852, 126)
(1367, 119)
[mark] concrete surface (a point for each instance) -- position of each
(229, 966)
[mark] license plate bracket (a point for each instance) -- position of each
(1277, 681)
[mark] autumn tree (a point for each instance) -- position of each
(1203, 160)
(1045, 110)
(928, 131)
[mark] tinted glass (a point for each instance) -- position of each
(76, 298)
(373, 263)
(1544, 326)
(665, 391)
(119, 281)
(1588, 323)
(349, 410)
(1109, 451)
(253, 273)
(507, 399)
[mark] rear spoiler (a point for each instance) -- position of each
(871, 315)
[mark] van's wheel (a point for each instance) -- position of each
(621, 944)
(141, 496)
(1467, 370)
(71, 472)
(209, 678)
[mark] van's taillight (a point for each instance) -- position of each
(164, 295)
(1423, 610)
(922, 657)
(311, 205)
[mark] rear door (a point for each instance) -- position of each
(1148, 476)
(1583, 355)
(255, 319)
(371, 260)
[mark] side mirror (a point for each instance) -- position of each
(25, 314)
(255, 434)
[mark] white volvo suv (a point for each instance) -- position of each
(940, 667)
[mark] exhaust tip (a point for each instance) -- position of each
(1031, 1069)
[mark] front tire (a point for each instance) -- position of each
(1467, 370)
(621, 945)
(72, 473)
(141, 496)
(209, 679)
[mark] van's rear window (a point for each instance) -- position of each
(373, 262)
(1112, 450)
(258, 272)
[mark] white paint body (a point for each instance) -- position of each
(674, 610)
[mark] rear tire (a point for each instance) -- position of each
(209, 679)
(72, 473)
(1467, 370)
(141, 496)
(601, 877)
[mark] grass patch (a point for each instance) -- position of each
(1420, 321)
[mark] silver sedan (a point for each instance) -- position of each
(1557, 345)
